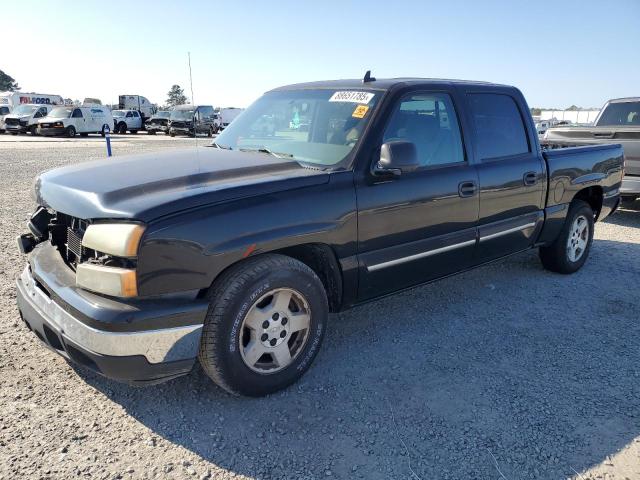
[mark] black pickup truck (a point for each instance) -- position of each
(235, 253)
(618, 122)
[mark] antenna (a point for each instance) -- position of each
(193, 102)
(368, 78)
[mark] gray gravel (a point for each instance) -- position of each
(504, 372)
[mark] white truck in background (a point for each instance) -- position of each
(228, 115)
(138, 103)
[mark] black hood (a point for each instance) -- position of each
(146, 187)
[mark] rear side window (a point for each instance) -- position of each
(622, 113)
(499, 128)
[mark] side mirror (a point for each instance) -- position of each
(397, 157)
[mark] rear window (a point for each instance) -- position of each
(499, 128)
(624, 113)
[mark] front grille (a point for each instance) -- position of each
(23, 123)
(11, 121)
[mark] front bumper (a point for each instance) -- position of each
(16, 128)
(630, 186)
(51, 131)
(181, 130)
(139, 341)
(157, 128)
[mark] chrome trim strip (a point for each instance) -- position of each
(428, 253)
(507, 232)
(163, 345)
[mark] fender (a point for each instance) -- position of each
(188, 251)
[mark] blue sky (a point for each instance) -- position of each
(557, 52)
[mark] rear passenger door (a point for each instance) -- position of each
(511, 173)
(420, 225)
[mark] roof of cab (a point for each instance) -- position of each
(384, 83)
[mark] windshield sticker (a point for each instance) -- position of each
(360, 111)
(352, 97)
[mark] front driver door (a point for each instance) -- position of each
(421, 225)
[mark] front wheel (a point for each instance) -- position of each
(570, 250)
(265, 324)
(71, 131)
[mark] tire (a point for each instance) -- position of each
(211, 132)
(122, 128)
(173, 134)
(565, 255)
(71, 131)
(227, 339)
(151, 132)
(33, 130)
(133, 131)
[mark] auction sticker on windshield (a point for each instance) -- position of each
(351, 96)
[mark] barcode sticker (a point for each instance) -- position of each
(352, 97)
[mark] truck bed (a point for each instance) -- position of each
(627, 137)
(571, 169)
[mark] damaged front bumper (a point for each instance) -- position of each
(134, 341)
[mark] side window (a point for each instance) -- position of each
(135, 114)
(129, 115)
(429, 121)
(77, 113)
(498, 123)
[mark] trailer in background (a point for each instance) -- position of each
(13, 99)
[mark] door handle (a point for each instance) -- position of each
(530, 178)
(467, 189)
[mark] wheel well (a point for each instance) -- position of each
(320, 258)
(593, 196)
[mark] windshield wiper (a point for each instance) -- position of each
(222, 147)
(266, 150)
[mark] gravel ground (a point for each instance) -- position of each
(507, 372)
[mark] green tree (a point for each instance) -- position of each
(573, 108)
(176, 96)
(7, 83)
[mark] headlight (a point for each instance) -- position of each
(119, 239)
(114, 281)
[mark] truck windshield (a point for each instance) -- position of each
(25, 109)
(182, 115)
(163, 114)
(320, 126)
(622, 113)
(61, 112)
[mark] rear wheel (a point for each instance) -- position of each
(570, 250)
(264, 326)
(71, 131)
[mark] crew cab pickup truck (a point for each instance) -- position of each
(234, 254)
(618, 122)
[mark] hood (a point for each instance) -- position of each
(19, 117)
(146, 187)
